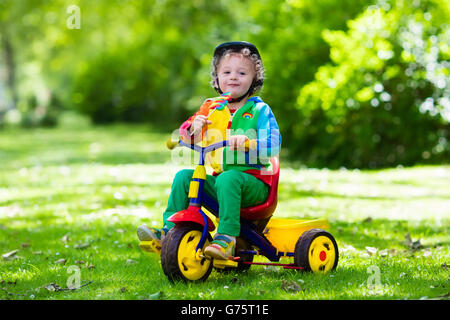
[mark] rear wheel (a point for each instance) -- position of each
(178, 258)
(317, 251)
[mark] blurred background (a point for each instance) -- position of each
(353, 83)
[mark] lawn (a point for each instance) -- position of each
(72, 197)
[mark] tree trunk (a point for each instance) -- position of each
(8, 54)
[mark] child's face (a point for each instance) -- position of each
(235, 74)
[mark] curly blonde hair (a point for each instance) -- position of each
(245, 52)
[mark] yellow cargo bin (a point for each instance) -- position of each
(284, 233)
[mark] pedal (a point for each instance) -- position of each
(150, 246)
(202, 256)
(217, 263)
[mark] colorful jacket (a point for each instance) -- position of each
(254, 119)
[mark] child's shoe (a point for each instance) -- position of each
(145, 233)
(222, 247)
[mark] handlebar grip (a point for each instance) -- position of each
(250, 144)
(171, 143)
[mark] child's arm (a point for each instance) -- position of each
(185, 133)
(187, 128)
(269, 137)
(268, 140)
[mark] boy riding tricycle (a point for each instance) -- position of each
(239, 137)
(182, 251)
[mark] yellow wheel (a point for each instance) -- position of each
(178, 257)
(316, 250)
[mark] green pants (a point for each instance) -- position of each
(232, 189)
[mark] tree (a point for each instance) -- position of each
(384, 98)
(25, 27)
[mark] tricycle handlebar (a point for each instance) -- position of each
(171, 144)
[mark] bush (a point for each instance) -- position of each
(384, 100)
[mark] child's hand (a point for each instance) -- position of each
(199, 122)
(237, 142)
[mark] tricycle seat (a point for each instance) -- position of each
(267, 208)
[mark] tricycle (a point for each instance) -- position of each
(182, 250)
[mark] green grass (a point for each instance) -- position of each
(79, 192)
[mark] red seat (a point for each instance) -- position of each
(266, 209)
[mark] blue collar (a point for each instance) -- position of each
(255, 99)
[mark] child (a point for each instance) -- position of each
(236, 68)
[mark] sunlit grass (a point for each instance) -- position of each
(79, 194)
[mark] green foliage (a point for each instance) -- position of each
(384, 98)
(150, 74)
(352, 83)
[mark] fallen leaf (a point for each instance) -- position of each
(427, 253)
(131, 261)
(10, 255)
(446, 295)
(412, 244)
(25, 245)
(371, 250)
(82, 245)
(52, 287)
(65, 238)
(60, 261)
(393, 252)
(416, 245)
(408, 240)
(348, 248)
(79, 262)
(383, 253)
(291, 286)
(155, 296)
(37, 252)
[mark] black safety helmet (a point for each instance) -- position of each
(237, 46)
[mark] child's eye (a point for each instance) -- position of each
(242, 73)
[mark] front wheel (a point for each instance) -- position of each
(178, 258)
(316, 250)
